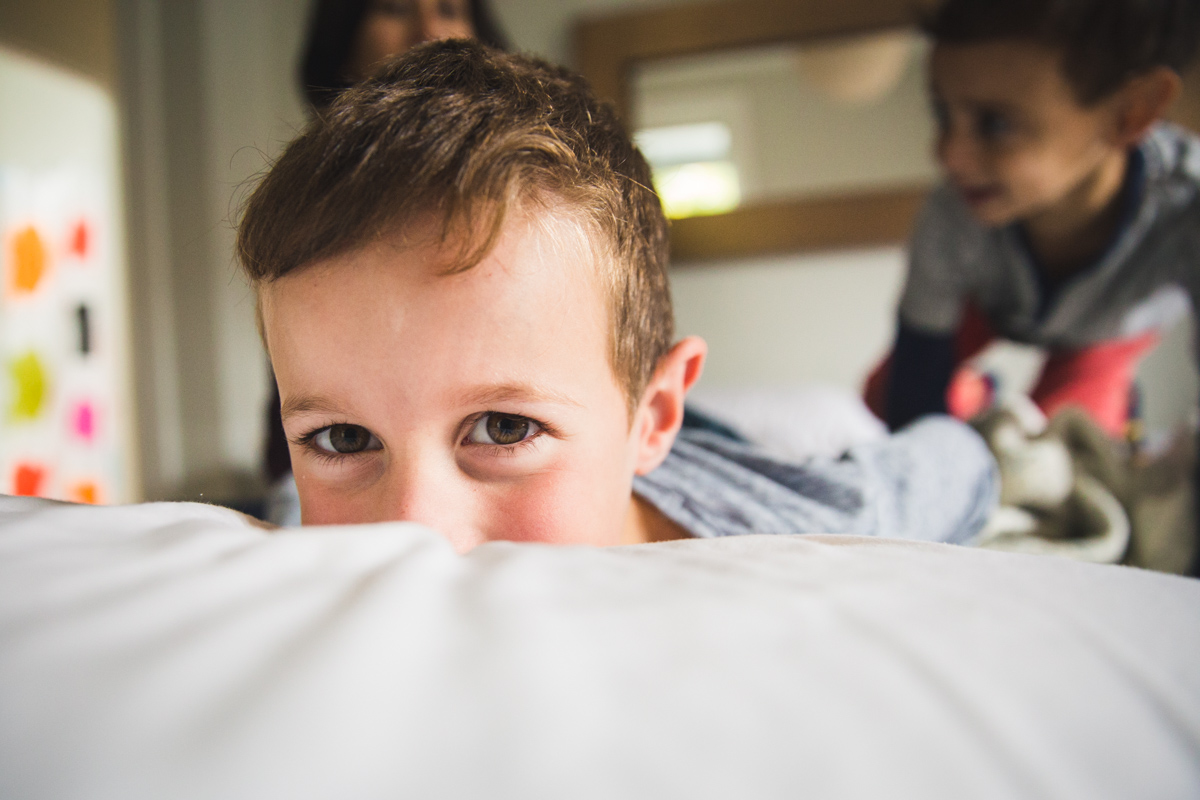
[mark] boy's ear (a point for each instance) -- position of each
(660, 413)
(1143, 101)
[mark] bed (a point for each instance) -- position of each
(181, 651)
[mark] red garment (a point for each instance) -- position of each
(1096, 378)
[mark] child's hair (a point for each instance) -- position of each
(462, 134)
(1104, 42)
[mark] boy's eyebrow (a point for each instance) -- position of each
(479, 395)
(506, 392)
(305, 403)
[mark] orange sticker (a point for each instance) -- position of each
(28, 261)
(85, 492)
(28, 480)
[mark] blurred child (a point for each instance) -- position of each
(1069, 218)
(461, 274)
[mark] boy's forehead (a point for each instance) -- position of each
(429, 246)
(1004, 68)
(382, 329)
(541, 259)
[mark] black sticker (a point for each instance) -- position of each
(83, 318)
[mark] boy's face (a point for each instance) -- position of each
(1012, 137)
(481, 404)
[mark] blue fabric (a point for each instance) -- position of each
(935, 481)
(698, 420)
(922, 365)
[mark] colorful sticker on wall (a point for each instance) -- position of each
(83, 329)
(28, 260)
(84, 492)
(29, 480)
(82, 422)
(29, 387)
(60, 368)
(81, 239)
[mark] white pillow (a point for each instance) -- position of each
(175, 651)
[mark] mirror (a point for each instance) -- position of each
(804, 120)
(812, 116)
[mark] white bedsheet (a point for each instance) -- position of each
(174, 651)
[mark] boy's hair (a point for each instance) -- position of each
(1104, 42)
(462, 133)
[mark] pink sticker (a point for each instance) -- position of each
(83, 421)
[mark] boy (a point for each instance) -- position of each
(461, 278)
(1069, 218)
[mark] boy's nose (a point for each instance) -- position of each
(437, 497)
(956, 152)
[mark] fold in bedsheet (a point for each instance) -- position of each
(175, 651)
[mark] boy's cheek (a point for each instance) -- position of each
(556, 507)
(335, 495)
(564, 504)
(322, 505)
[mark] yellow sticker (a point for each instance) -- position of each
(29, 387)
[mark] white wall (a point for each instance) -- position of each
(782, 321)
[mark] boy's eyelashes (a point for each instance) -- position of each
(342, 439)
(491, 428)
(494, 428)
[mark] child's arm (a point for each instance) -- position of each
(922, 365)
(924, 357)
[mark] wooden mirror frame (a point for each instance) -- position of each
(608, 48)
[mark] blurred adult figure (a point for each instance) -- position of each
(349, 39)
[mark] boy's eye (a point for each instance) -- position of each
(503, 429)
(346, 439)
(993, 125)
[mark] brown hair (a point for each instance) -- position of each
(468, 133)
(1104, 42)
